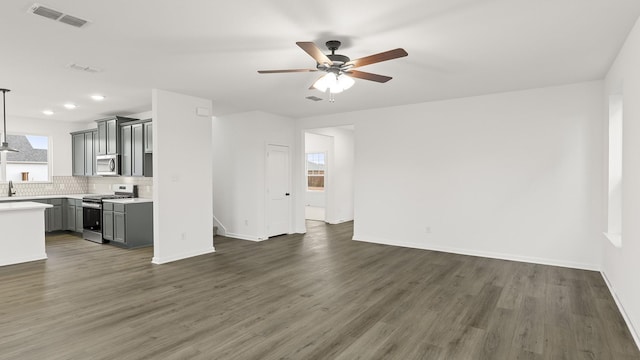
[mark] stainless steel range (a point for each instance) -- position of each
(92, 210)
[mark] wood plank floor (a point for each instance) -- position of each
(313, 296)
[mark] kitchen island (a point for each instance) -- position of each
(22, 237)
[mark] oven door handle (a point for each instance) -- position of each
(91, 205)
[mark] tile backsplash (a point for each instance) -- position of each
(60, 185)
(102, 185)
(63, 185)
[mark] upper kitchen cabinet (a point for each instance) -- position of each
(135, 160)
(148, 137)
(83, 152)
(109, 134)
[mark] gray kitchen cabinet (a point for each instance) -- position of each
(112, 136)
(78, 154)
(132, 155)
(70, 217)
(132, 224)
(109, 134)
(53, 216)
(83, 153)
(90, 156)
(79, 216)
(119, 226)
(148, 137)
(56, 218)
(107, 221)
(137, 150)
(73, 215)
(101, 144)
(126, 152)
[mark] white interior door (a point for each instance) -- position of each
(278, 199)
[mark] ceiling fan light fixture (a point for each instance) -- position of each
(334, 83)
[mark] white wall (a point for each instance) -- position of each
(182, 206)
(515, 175)
(621, 266)
(239, 173)
(339, 182)
(59, 138)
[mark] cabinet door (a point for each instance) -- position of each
(56, 218)
(96, 143)
(78, 154)
(102, 138)
(71, 217)
(125, 154)
(112, 136)
(89, 156)
(107, 225)
(148, 137)
(79, 218)
(119, 227)
(137, 150)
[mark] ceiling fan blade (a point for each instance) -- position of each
(376, 58)
(368, 76)
(314, 83)
(285, 71)
(315, 52)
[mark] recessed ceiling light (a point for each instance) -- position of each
(70, 106)
(97, 97)
(47, 112)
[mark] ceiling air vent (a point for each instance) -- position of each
(79, 67)
(56, 15)
(313, 98)
(72, 20)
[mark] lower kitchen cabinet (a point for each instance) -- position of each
(70, 215)
(53, 216)
(73, 215)
(128, 225)
(107, 221)
(79, 216)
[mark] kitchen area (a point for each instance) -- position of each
(107, 200)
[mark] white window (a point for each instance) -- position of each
(30, 163)
(316, 166)
(614, 215)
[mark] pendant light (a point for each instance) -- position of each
(5, 147)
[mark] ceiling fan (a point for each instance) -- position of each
(339, 69)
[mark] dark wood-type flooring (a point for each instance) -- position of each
(314, 296)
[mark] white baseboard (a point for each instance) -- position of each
(172, 258)
(22, 259)
(627, 320)
(486, 254)
(336, 222)
(244, 237)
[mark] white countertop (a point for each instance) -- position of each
(40, 197)
(128, 201)
(71, 196)
(22, 205)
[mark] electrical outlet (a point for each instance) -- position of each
(246, 222)
(427, 230)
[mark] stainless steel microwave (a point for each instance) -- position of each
(107, 165)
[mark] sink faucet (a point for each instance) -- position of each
(12, 191)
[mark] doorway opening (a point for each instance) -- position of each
(329, 170)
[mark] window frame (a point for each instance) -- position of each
(4, 163)
(324, 175)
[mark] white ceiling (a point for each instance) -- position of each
(212, 49)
